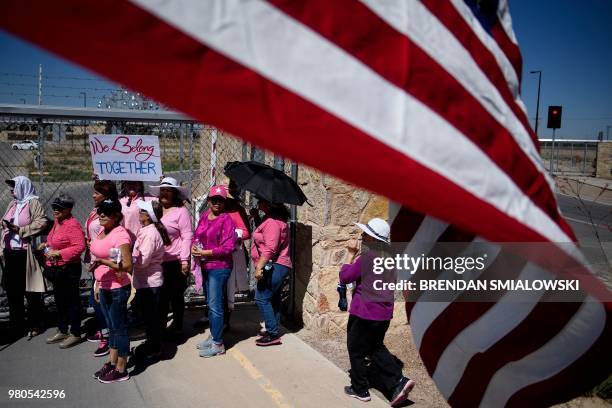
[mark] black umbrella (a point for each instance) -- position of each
(265, 182)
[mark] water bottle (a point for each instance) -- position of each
(115, 255)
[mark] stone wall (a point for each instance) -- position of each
(325, 232)
(604, 159)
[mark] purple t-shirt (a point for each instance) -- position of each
(219, 235)
(367, 302)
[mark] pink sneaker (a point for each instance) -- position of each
(102, 349)
(96, 337)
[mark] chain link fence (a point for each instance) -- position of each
(51, 147)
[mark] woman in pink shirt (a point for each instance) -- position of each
(147, 256)
(63, 249)
(214, 243)
(179, 224)
(103, 190)
(113, 262)
(131, 193)
(270, 254)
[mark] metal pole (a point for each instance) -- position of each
(84, 98)
(537, 120)
(190, 129)
(608, 132)
(279, 163)
(245, 150)
(552, 152)
(572, 154)
(181, 141)
(584, 159)
(40, 84)
(292, 244)
(41, 151)
(557, 154)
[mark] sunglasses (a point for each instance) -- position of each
(57, 208)
(215, 200)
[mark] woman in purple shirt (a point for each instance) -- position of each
(369, 316)
(214, 242)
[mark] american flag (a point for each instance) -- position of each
(414, 100)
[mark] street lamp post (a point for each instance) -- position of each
(537, 120)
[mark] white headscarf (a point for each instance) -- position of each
(24, 192)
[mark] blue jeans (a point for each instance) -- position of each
(99, 316)
(269, 299)
(114, 307)
(216, 281)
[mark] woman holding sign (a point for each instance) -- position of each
(179, 224)
(113, 262)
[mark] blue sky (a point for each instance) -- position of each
(569, 40)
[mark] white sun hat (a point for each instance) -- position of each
(171, 182)
(376, 228)
(148, 207)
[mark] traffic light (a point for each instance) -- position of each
(554, 117)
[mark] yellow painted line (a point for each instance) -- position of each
(263, 382)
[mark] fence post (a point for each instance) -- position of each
(181, 141)
(41, 155)
(292, 245)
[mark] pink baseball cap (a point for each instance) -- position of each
(218, 191)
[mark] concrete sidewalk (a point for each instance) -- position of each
(291, 375)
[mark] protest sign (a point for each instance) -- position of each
(126, 157)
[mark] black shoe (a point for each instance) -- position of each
(361, 396)
(268, 340)
(401, 391)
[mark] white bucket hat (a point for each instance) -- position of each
(171, 182)
(376, 228)
(148, 207)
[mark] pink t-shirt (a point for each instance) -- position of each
(100, 249)
(92, 225)
(148, 255)
(271, 239)
(131, 215)
(180, 230)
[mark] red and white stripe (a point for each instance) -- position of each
(411, 100)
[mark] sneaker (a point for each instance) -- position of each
(56, 338)
(114, 376)
(362, 396)
(70, 341)
(262, 333)
(96, 337)
(107, 367)
(102, 349)
(214, 350)
(401, 391)
(205, 344)
(268, 340)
